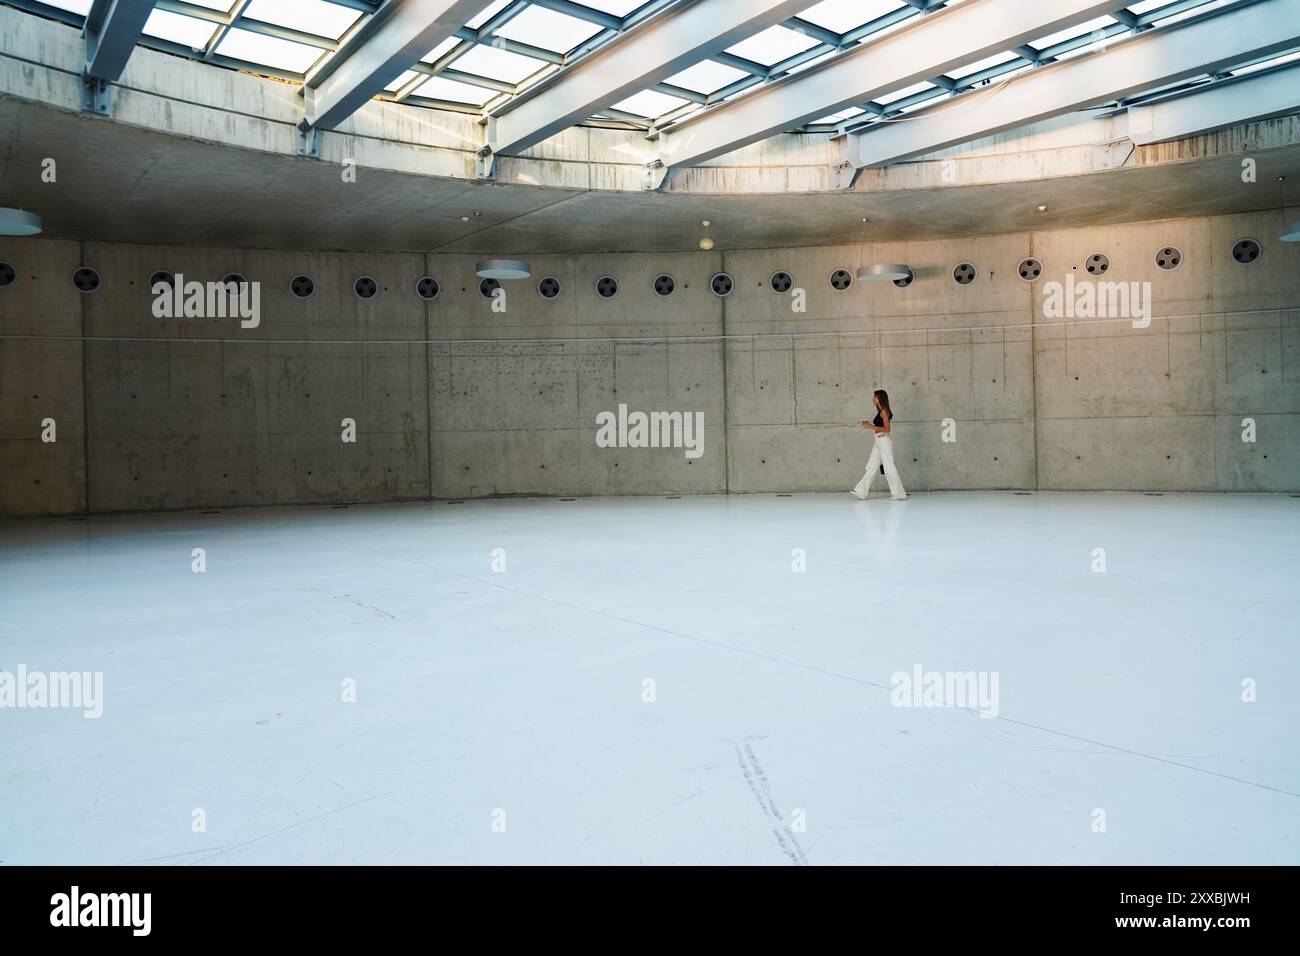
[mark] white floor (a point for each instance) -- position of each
(515, 697)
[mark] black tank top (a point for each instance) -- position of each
(878, 421)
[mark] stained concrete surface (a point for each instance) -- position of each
(453, 398)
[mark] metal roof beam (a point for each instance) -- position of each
(926, 47)
(1227, 35)
(665, 44)
(387, 45)
(111, 31)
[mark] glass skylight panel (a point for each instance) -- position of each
(904, 92)
(487, 13)
(810, 62)
(440, 88)
(649, 103)
(840, 116)
(310, 16)
(841, 16)
(1146, 6)
(433, 55)
(619, 8)
(401, 81)
(1265, 64)
(970, 68)
(772, 45)
(1178, 17)
(221, 6)
(269, 51)
(187, 31)
(549, 30)
(72, 6)
(706, 77)
(1078, 30)
(497, 64)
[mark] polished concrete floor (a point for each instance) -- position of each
(653, 680)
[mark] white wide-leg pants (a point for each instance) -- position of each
(883, 451)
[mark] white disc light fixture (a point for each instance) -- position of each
(883, 272)
(19, 222)
(503, 269)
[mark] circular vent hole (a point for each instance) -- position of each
(904, 282)
(964, 274)
(781, 282)
(548, 287)
(235, 279)
(487, 288)
(365, 287)
(85, 279)
(1030, 269)
(302, 286)
(161, 277)
(664, 284)
(1168, 258)
(1096, 264)
(841, 279)
(607, 287)
(721, 284)
(427, 287)
(7, 274)
(1246, 251)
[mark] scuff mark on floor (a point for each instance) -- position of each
(756, 778)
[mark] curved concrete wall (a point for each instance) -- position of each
(454, 399)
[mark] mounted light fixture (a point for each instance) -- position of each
(19, 222)
(1291, 232)
(890, 272)
(503, 269)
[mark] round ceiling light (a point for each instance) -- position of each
(503, 269)
(883, 272)
(19, 222)
(1291, 232)
(706, 243)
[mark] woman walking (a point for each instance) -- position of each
(883, 452)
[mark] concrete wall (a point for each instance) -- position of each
(455, 399)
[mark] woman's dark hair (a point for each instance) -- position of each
(884, 401)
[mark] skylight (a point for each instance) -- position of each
(187, 31)
(269, 51)
(401, 81)
(439, 88)
(72, 6)
(311, 16)
(904, 92)
(650, 104)
(487, 13)
(997, 59)
(841, 16)
(444, 47)
(772, 46)
(619, 8)
(1265, 64)
(1070, 33)
(840, 116)
(498, 64)
(706, 77)
(549, 30)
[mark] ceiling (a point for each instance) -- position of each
(511, 47)
(181, 191)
